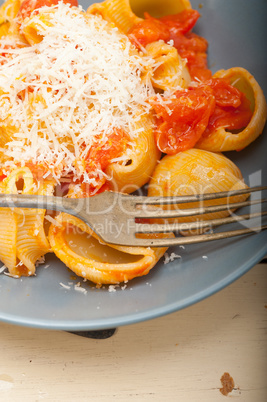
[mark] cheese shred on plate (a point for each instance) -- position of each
(83, 80)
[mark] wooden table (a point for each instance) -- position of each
(179, 357)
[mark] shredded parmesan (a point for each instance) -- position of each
(80, 289)
(170, 258)
(64, 286)
(52, 220)
(40, 260)
(12, 276)
(2, 269)
(83, 80)
(112, 288)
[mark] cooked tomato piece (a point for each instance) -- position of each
(100, 156)
(182, 22)
(38, 170)
(229, 117)
(232, 109)
(225, 93)
(2, 176)
(27, 6)
(177, 28)
(148, 31)
(153, 29)
(103, 152)
(198, 66)
(193, 48)
(189, 42)
(182, 120)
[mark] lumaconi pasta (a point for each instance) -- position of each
(142, 160)
(80, 253)
(170, 70)
(159, 7)
(118, 12)
(89, 101)
(26, 240)
(222, 139)
(9, 11)
(197, 171)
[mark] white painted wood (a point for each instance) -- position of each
(179, 357)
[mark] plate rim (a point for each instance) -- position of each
(95, 325)
(153, 313)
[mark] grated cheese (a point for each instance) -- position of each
(170, 258)
(79, 83)
(112, 288)
(40, 261)
(2, 269)
(64, 286)
(12, 276)
(52, 220)
(80, 289)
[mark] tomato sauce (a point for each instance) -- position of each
(2, 176)
(182, 120)
(232, 110)
(38, 170)
(177, 28)
(213, 103)
(99, 157)
(28, 6)
(148, 31)
(198, 111)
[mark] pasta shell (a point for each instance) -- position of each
(197, 172)
(23, 240)
(158, 8)
(221, 140)
(171, 71)
(143, 158)
(116, 11)
(8, 236)
(102, 263)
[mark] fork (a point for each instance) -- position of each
(114, 216)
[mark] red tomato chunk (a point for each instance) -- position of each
(182, 120)
(27, 6)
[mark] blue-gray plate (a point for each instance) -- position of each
(236, 31)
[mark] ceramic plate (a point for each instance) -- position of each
(236, 31)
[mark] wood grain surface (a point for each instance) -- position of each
(179, 357)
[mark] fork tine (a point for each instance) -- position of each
(164, 214)
(168, 242)
(140, 200)
(176, 227)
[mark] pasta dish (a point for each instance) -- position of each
(105, 100)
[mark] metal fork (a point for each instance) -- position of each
(114, 217)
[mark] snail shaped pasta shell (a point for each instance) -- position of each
(196, 172)
(118, 12)
(142, 160)
(22, 236)
(84, 253)
(221, 140)
(171, 72)
(158, 8)
(125, 13)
